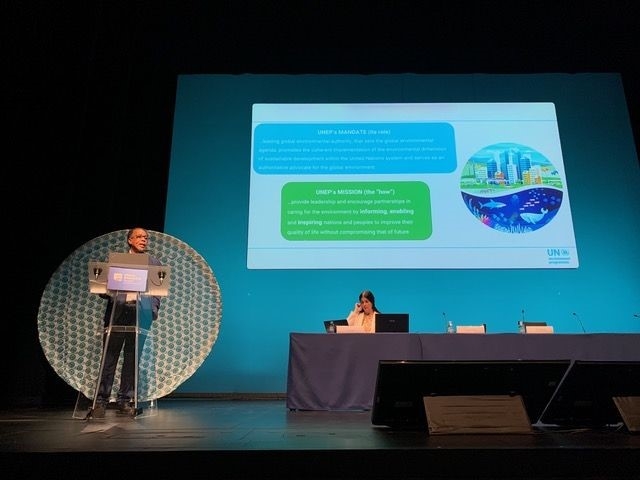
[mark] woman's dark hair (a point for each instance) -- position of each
(368, 294)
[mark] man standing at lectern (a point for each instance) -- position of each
(123, 306)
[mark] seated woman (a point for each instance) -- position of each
(364, 312)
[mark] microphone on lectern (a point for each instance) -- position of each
(162, 275)
(97, 271)
(579, 321)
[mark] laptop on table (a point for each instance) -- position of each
(327, 324)
(392, 322)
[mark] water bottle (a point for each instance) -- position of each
(521, 328)
(450, 327)
(332, 327)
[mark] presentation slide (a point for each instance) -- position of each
(408, 185)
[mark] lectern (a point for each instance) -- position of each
(128, 281)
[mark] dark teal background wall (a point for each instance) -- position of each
(207, 207)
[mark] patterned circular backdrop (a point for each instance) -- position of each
(70, 318)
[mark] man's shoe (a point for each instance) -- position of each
(125, 409)
(98, 411)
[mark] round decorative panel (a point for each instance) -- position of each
(70, 318)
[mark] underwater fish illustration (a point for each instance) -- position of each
(534, 217)
(492, 204)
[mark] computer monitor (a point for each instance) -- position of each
(401, 386)
(585, 396)
(392, 322)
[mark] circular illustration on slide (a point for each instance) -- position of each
(511, 188)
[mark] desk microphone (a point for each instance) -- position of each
(579, 321)
(523, 314)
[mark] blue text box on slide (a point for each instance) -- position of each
(354, 148)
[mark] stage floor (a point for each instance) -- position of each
(264, 439)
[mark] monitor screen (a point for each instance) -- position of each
(392, 322)
(585, 396)
(402, 385)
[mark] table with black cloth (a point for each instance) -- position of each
(338, 371)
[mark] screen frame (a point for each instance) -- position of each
(401, 386)
(585, 396)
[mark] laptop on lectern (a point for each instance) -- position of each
(126, 259)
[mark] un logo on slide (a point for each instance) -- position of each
(511, 188)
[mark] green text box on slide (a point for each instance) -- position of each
(346, 211)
